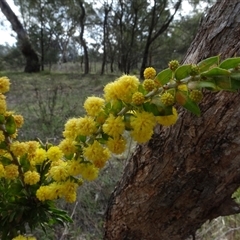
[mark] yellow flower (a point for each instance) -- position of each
(149, 84)
(89, 172)
(142, 124)
(70, 130)
(68, 190)
(19, 148)
(18, 120)
(167, 99)
(71, 197)
(116, 145)
(11, 171)
(50, 192)
(2, 171)
(44, 193)
(110, 91)
(196, 95)
(127, 85)
(55, 190)
(168, 120)
(149, 73)
(67, 146)
(60, 172)
(183, 87)
(75, 167)
(97, 154)
(4, 84)
(3, 105)
(54, 153)
(32, 147)
(31, 177)
(86, 126)
(123, 89)
(114, 126)
(40, 156)
(93, 105)
(138, 98)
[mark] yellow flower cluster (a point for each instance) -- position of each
(11, 171)
(88, 141)
(149, 73)
(97, 154)
(54, 153)
(31, 177)
(56, 190)
(142, 124)
(138, 98)
(122, 89)
(93, 105)
(4, 84)
(167, 99)
(117, 145)
(149, 84)
(19, 148)
(114, 126)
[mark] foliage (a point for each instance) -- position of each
(34, 175)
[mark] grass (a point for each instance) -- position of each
(47, 100)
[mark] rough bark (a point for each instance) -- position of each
(32, 61)
(187, 173)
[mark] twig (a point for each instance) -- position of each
(66, 228)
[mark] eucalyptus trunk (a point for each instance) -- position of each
(32, 61)
(187, 173)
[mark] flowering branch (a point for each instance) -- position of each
(33, 174)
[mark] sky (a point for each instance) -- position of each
(7, 34)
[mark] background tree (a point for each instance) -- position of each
(186, 174)
(32, 61)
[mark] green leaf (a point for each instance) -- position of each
(205, 84)
(2, 118)
(223, 82)
(205, 64)
(235, 76)
(5, 161)
(25, 163)
(127, 119)
(216, 71)
(142, 89)
(116, 106)
(164, 76)
(3, 145)
(81, 138)
(230, 63)
(235, 84)
(182, 72)
(162, 109)
(149, 107)
(10, 125)
(183, 99)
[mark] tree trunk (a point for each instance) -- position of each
(32, 61)
(187, 173)
(153, 36)
(82, 40)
